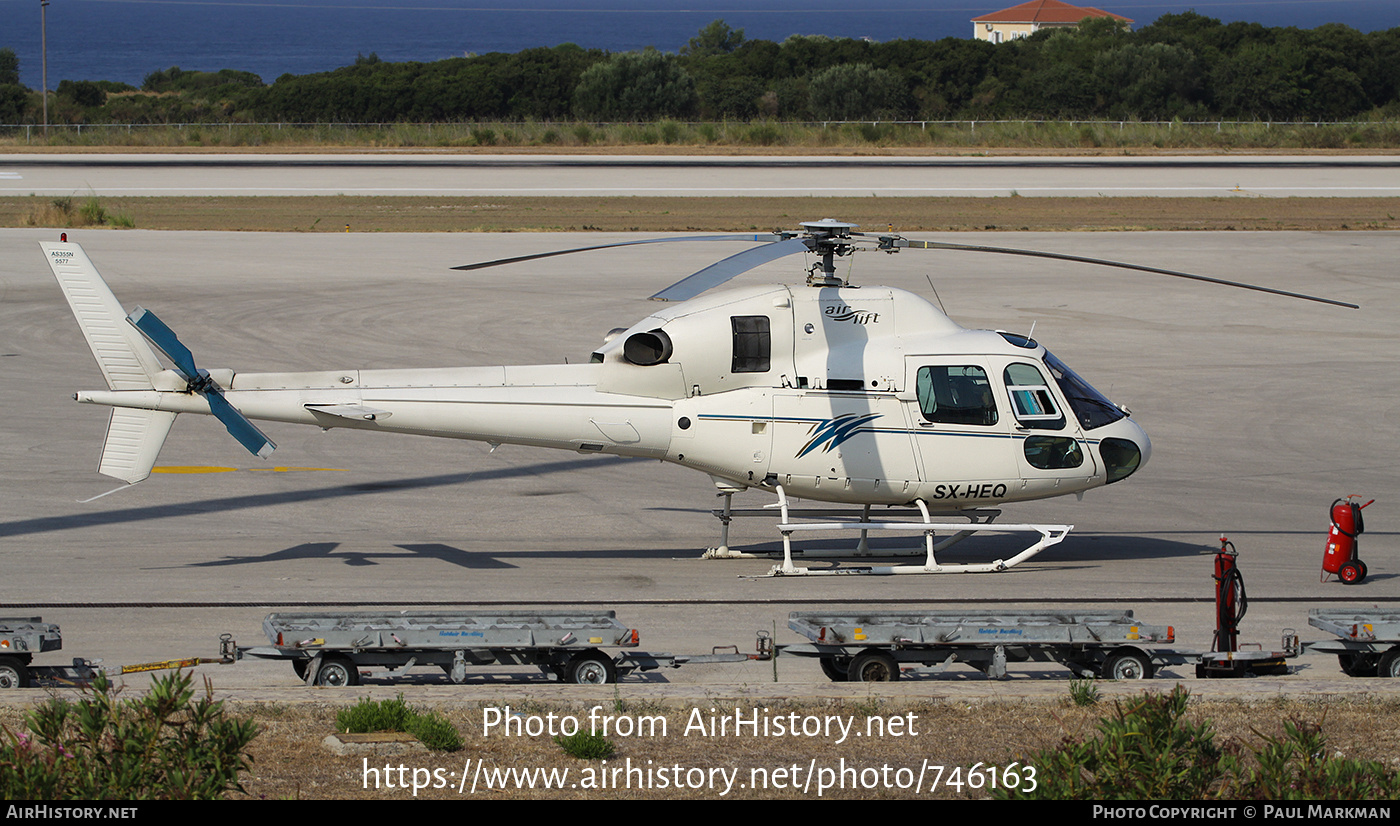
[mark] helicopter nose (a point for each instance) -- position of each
(1124, 447)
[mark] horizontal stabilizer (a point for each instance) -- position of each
(134, 439)
(126, 361)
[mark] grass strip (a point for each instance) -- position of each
(682, 214)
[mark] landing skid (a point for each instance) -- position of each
(982, 520)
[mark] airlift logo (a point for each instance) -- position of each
(841, 312)
(830, 433)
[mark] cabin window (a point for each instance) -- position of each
(1031, 400)
(956, 395)
(753, 344)
(1053, 452)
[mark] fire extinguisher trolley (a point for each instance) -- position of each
(1342, 556)
(1230, 657)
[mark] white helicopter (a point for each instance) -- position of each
(854, 395)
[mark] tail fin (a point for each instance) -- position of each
(134, 437)
(126, 360)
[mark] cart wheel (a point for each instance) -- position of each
(592, 668)
(1127, 665)
(1351, 573)
(299, 666)
(836, 669)
(1390, 663)
(1357, 665)
(338, 672)
(873, 667)
(12, 674)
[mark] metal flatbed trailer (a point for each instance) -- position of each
(872, 646)
(20, 639)
(331, 648)
(1368, 640)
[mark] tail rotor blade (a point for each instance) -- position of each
(168, 343)
(238, 425)
(165, 340)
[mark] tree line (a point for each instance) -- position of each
(1182, 66)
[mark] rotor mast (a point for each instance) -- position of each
(828, 238)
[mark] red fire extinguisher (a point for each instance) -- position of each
(1342, 555)
(1230, 601)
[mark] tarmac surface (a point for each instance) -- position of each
(1262, 411)
(422, 173)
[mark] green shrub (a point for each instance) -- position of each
(763, 134)
(162, 746)
(368, 715)
(1148, 750)
(432, 729)
(1083, 692)
(1299, 766)
(585, 745)
(872, 132)
(92, 213)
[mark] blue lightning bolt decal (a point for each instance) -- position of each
(832, 432)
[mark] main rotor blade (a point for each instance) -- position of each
(238, 425)
(765, 236)
(939, 245)
(165, 340)
(721, 271)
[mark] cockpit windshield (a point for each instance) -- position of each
(1091, 408)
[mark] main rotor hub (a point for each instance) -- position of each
(828, 238)
(829, 228)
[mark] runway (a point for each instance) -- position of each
(1262, 410)
(563, 175)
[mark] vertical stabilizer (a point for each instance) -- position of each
(134, 437)
(126, 360)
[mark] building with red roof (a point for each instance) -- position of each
(1027, 18)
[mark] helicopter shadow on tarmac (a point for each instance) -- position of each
(1074, 552)
(227, 504)
(1090, 548)
(404, 552)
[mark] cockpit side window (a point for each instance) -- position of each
(1031, 399)
(956, 395)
